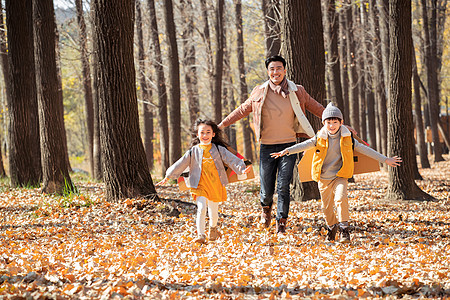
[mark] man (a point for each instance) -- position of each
(278, 107)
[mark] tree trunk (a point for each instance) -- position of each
(146, 93)
(174, 71)
(305, 56)
(243, 91)
(55, 169)
(189, 57)
(24, 147)
(352, 63)
(126, 173)
(420, 130)
(218, 66)
(365, 93)
(6, 76)
(272, 30)
(429, 37)
(343, 61)
(401, 184)
(162, 90)
(206, 36)
(87, 87)
(331, 29)
(378, 82)
(383, 11)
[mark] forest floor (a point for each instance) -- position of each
(82, 246)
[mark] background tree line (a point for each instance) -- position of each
(119, 83)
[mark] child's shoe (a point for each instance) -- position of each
(214, 233)
(331, 234)
(345, 235)
(201, 239)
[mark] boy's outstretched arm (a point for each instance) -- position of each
(394, 161)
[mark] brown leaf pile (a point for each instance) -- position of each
(85, 247)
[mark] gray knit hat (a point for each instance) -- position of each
(331, 111)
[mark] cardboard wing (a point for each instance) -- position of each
(363, 163)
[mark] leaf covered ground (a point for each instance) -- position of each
(81, 246)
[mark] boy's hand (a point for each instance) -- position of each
(162, 181)
(394, 161)
(279, 154)
(247, 170)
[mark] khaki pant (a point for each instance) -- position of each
(334, 193)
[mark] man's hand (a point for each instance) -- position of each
(279, 154)
(394, 161)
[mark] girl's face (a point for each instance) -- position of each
(205, 133)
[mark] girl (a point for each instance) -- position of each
(207, 177)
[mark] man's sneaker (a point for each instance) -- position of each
(281, 225)
(201, 239)
(345, 235)
(214, 233)
(331, 234)
(266, 215)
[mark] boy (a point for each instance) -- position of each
(332, 165)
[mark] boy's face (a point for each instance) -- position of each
(332, 125)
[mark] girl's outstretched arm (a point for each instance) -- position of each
(162, 181)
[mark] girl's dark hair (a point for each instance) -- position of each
(217, 139)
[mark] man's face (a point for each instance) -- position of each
(276, 72)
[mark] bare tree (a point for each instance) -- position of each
(401, 184)
(272, 24)
(6, 77)
(218, 66)
(162, 90)
(206, 36)
(146, 93)
(124, 162)
(342, 50)
(87, 86)
(55, 169)
(243, 91)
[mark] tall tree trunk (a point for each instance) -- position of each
(174, 71)
(206, 36)
(429, 37)
(420, 130)
(6, 76)
(24, 148)
(218, 66)
(87, 87)
(305, 55)
(55, 169)
(343, 61)
(146, 93)
(162, 90)
(272, 30)
(401, 184)
(352, 73)
(189, 57)
(362, 68)
(383, 11)
(331, 28)
(378, 82)
(125, 166)
(243, 91)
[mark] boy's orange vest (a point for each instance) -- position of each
(321, 151)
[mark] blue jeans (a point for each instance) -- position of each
(279, 169)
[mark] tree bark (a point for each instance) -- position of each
(87, 86)
(24, 147)
(206, 36)
(243, 89)
(383, 11)
(272, 30)
(343, 61)
(146, 93)
(305, 56)
(126, 173)
(401, 185)
(429, 37)
(174, 71)
(6, 76)
(55, 169)
(218, 66)
(189, 57)
(162, 90)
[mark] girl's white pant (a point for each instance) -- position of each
(213, 212)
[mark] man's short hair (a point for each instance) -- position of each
(275, 58)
